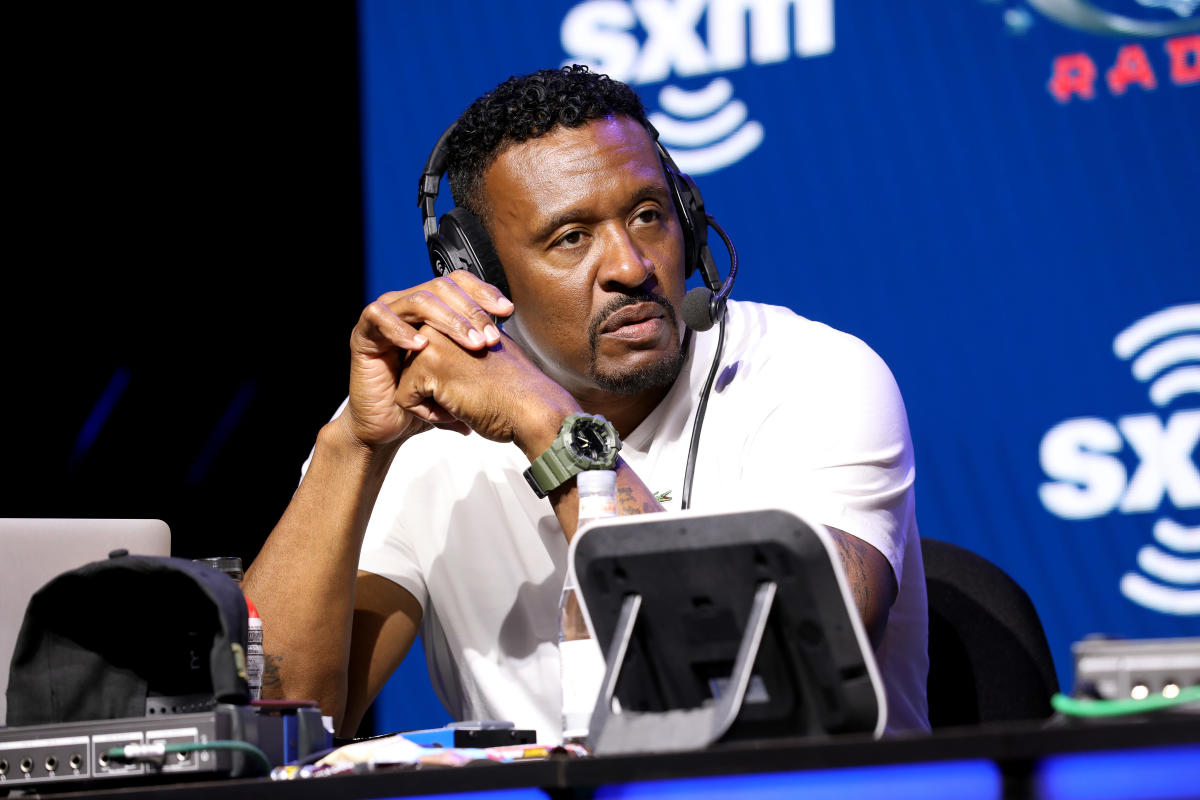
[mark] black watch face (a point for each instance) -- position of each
(590, 441)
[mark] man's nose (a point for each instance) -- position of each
(625, 263)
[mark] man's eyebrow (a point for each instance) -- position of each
(654, 190)
(557, 221)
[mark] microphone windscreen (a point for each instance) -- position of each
(697, 309)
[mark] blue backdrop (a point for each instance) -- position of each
(989, 193)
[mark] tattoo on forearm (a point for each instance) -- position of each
(626, 502)
(628, 505)
(855, 565)
(272, 680)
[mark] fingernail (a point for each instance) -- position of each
(419, 340)
(491, 334)
(504, 302)
(474, 337)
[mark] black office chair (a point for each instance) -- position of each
(988, 656)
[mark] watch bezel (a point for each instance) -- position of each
(603, 427)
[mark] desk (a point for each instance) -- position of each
(1159, 759)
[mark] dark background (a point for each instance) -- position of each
(187, 253)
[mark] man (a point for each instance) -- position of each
(414, 510)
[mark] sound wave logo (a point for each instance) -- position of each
(1165, 351)
(1177, 333)
(1167, 568)
(714, 131)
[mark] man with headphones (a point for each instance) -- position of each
(442, 495)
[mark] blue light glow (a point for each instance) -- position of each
(957, 780)
(496, 794)
(1159, 773)
(221, 433)
(99, 415)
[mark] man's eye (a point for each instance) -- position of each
(648, 215)
(571, 239)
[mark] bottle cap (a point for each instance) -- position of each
(597, 481)
(230, 565)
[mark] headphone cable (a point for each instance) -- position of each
(685, 498)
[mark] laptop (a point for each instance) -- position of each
(34, 551)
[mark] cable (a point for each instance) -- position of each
(1076, 707)
(685, 498)
(157, 753)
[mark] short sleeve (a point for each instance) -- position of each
(387, 550)
(834, 445)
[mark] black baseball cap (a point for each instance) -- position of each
(126, 637)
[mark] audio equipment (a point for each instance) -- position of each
(458, 240)
(704, 305)
(1123, 669)
(74, 754)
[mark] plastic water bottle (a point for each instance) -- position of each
(582, 663)
(255, 656)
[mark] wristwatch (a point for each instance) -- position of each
(585, 441)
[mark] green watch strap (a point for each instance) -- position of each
(550, 470)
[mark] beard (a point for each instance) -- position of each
(656, 375)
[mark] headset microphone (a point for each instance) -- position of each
(697, 308)
(701, 308)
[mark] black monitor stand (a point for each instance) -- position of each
(722, 626)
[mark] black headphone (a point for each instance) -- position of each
(459, 241)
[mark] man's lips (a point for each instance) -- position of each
(630, 316)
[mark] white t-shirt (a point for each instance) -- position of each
(802, 418)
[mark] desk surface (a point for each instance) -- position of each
(1158, 758)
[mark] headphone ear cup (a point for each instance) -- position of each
(463, 243)
(689, 206)
(479, 242)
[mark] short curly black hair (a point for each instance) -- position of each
(524, 108)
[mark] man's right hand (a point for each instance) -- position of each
(457, 305)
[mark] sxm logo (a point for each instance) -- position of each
(1090, 480)
(648, 41)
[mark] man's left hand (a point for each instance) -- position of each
(499, 392)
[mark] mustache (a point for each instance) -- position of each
(620, 302)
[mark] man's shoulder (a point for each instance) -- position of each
(778, 337)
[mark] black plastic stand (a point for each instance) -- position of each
(722, 626)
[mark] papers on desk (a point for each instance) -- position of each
(396, 751)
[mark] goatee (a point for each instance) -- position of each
(650, 376)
